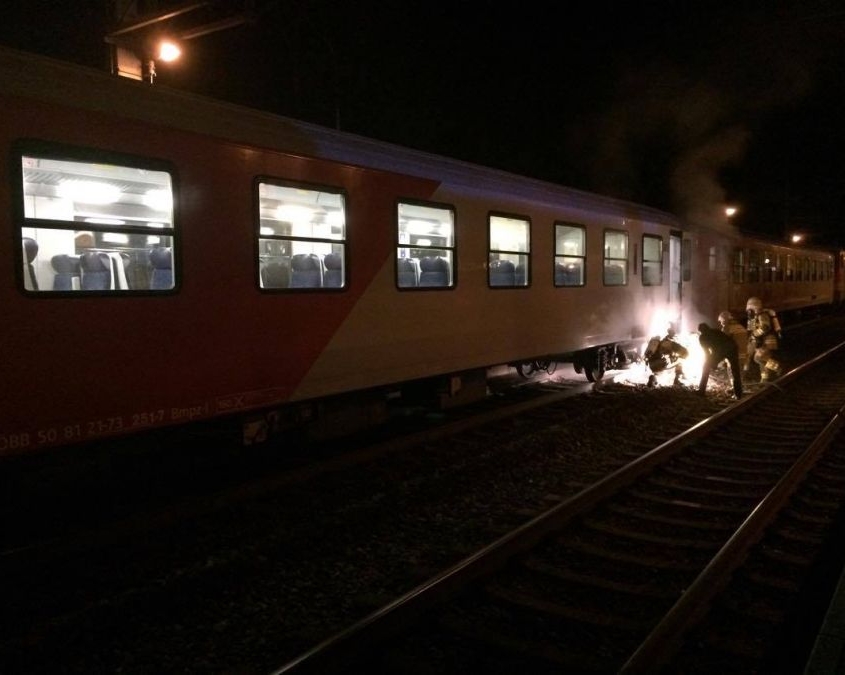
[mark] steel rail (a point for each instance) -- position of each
(664, 640)
(342, 648)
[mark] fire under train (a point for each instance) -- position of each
(174, 260)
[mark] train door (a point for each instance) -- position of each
(675, 276)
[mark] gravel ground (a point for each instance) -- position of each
(250, 587)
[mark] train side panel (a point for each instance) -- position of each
(219, 345)
(114, 364)
(728, 268)
(474, 326)
(788, 279)
(221, 339)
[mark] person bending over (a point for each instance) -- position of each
(717, 347)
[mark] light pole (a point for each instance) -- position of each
(135, 49)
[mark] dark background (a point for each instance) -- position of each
(679, 105)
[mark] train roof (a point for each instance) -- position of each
(60, 82)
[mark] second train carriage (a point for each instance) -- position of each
(174, 259)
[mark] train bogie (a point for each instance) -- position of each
(174, 260)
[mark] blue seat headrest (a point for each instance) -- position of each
(92, 261)
(65, 264)
(305, 261)
(161, 258)
(432, 264)
(30, 247)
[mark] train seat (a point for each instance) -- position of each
(434, 271)
(614, 275)
(103, 271)
(95, 270)
(407, 272)
(161, 262)
(276, 273)
(30, 251)
(306, 271)
(520, 278)
(560, 275)
(66, 268)
(566, 275)
(334, 270)
(502, 273)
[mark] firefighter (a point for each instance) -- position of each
(664, 353)
(717, 347)
(764, 332)
(730, 326)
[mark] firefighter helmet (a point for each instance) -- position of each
(725, 317)
(754, 303)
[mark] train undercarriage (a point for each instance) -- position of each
(593, 363)
(346, 414)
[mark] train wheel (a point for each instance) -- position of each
(551, 366)
(593, 373)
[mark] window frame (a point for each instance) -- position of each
(609, 261)
(649, 263)
(578, 259)
(92, 156)
(738, 267)
(516, 256)
(265, 241)
(789, 267)
(403, 248)
(755, 258)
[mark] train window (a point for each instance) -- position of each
(790, 267)
(615, 271)
(753, 266)
(652, 260)
(301, 237)
(425, 247)
(771, 264)
(570, 254)
(509, 250)
(94, 224)
(738, 269)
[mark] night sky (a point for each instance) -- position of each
(679, 105)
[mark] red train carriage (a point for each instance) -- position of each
(172, 259)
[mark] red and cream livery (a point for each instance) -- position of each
(172, 259)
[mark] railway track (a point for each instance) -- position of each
(244, 578)
(696, 557)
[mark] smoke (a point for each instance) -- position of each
(679, 118)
